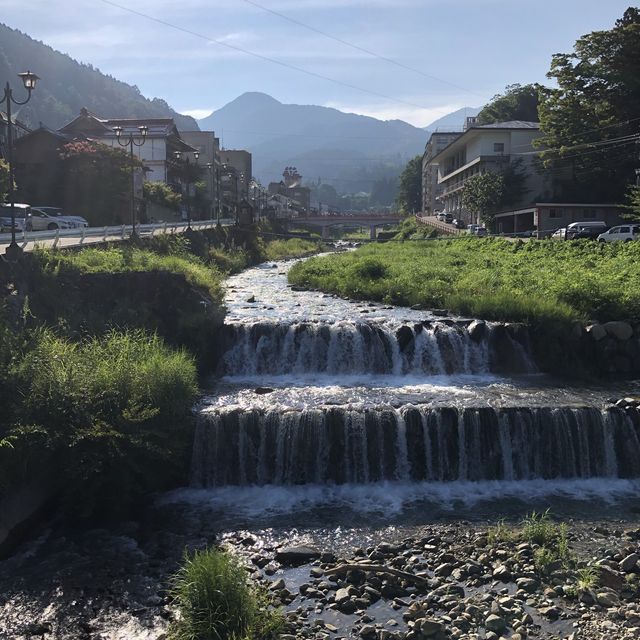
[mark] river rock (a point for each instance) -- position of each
(263, 390)
(619, 330)
(629, 563)
(428, 627)
(495, 623)
(296, 555)
(607, 599)
(251, 299)
(610, 578)
(527, 584)
(477, 330)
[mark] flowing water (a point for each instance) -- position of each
(323, 405)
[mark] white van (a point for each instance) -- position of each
(624, 233)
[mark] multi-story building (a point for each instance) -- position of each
(208, 147)
(159, 148)
(240, 161)
(490, 147)
(431, 191)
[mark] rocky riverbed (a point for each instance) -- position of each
(460, 581)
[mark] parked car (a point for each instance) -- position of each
(623, 233)
(559, 234)
(577, 230)
(440, 215)
(58, 215)
(480, 231)
(40, 221)
(459, 224)
(448, 218)
(471, 228)
(22, 213)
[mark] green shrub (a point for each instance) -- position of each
(108, 418)
(216, 601)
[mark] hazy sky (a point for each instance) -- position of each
(470, 48)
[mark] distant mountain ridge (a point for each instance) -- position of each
(347, 150)
(66, 86)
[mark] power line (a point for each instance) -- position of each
(358, 47)
(263, 57)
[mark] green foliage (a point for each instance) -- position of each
(587, 578)
(483, 193)
(501, 533)
(4, 179)
(518, 102)
(633, 203)
(131, 259)
(410, 189)
(539, 282)
(161, 194)
(216, 601)
(596, 100)
(106, 417)
(290, 248)
(538, 528)
(96, 181)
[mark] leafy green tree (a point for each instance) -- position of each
(4, 179)
(633, 203)
(588, 119)
(483, 193)
(410, 190)
(96, 181)
(162, 194)
(518, 102)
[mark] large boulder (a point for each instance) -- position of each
(619, 330)
(596, 332)
(297, 555)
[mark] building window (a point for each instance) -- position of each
(498, 147)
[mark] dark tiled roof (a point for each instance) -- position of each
(511, 124)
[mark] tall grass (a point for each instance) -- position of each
(290, 248)
(535, 281)
(106, 419)
(216, 601)
(127, 259)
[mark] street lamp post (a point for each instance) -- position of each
(130, 141)
(29, 80)
(211, 167)
(196, 155)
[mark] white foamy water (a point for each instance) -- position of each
(394, 498)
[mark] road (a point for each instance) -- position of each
(64, 238)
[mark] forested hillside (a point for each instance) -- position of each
(66, 86)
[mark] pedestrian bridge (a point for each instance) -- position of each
(325, 223)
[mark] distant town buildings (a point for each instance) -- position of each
(431, 190)
(482, 148)
(290, 193)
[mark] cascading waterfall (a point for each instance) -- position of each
(341, 445)
(431, 348)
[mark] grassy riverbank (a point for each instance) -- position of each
(100, 351)
(536, 282)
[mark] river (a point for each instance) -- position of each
(343, 424)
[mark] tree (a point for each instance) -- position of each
(483, 193)
(410, 190)
(633, 203)
(589, 120)
(518, 102)
(96, 181)
(4, 179)
(161, 194)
